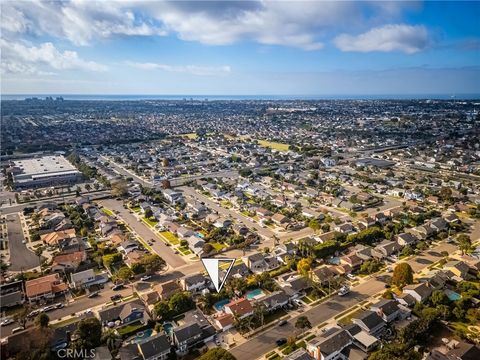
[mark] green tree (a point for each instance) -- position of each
(42, 320)
(89, 332)
(111, 339)
(402, 275)
(162, 310)
(124, 273)
(119, 188)
(217, 354)
(152, 263)
(304, 266)
(22, 316)
(464, 243)
(181, 302)
(407, 251)
(303, 323)
(314, 224)
(148, 213)
(438, 297)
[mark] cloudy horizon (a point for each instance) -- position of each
(248, 48)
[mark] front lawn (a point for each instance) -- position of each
(217, 246)
(172, 239)
(150, 221)
(107, 211)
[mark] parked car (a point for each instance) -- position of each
(115, 297)
(282, 322)
(93, 294)
(118, 287)
(17, 329)
(49, 308)
(6, 322)
(344, 290)
(281, 341)
(351, 276)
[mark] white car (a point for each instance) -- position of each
(146, 277)
(351, 277)
(7, 322)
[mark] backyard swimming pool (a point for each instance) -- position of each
(255, 294)
(141, 335)
(168, 328)
(219, 305)
(452, 295)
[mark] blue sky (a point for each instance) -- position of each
(248, 47)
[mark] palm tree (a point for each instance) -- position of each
(259, 313)
(39, 252)
(111, 339)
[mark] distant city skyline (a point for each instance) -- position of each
(251, 48)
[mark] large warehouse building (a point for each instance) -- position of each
(44, 171)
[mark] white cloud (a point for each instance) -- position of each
(19, 57)
(79, 21)
(399, 37)
(190, 69)
(297, 24)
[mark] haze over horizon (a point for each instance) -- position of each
(254, 48)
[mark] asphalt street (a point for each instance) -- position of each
(173, 260)
(20, 257)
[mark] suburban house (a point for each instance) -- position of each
(299, 354)
(156, 347)
(183, 232)
(241, 308)
(167, 289)
(275, 300)
(195, 244)
(222, 223)
(370, 322)
(125, 314)
(405, 239)
(68, 262)
(353, 260)
(255, 262)
(193, 283)
(186, 336)
(174, 197)
(323, 274)
(329, 345)
(223, 321)
(387, 309)
(294, 286)
(458, 268)
(345, 228)
(84, 279)
(420, 292)
(55, 237)
(45, 287)
(279, 219)
(127, 246)
(386, 248)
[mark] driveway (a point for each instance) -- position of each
(20, 257)
(172, 259)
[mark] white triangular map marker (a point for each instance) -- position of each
(212, 265)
